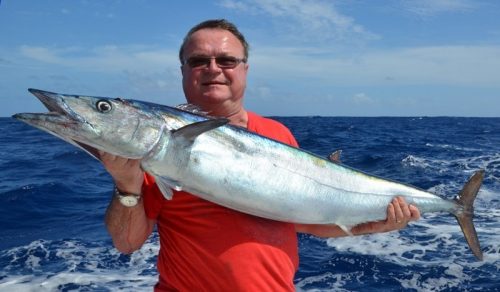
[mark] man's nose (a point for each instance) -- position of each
(212, 66)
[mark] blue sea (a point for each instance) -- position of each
(53, 198)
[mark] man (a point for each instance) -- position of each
(204, 246)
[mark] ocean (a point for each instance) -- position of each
(53, 198)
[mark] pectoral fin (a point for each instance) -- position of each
(166, 185)
(191, 131)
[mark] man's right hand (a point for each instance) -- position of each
(126, 173)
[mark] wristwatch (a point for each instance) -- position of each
(127, 199)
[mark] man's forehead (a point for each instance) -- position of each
(213, 39)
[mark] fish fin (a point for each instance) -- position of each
(191, 131)
(346, 229)
(464, 216)
(335, 156)
(166, 185)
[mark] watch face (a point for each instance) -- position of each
(129, 201)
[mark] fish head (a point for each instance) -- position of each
(117, 126)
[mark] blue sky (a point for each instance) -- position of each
(330, 58)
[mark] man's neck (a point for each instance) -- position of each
(237, 115)
(239, 118)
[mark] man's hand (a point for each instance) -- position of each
(399, 213)
(126, 173)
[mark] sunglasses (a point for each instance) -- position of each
(223, 62)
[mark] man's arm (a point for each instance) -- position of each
(399, 213)
(129, 227)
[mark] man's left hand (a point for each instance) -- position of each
(399, 214)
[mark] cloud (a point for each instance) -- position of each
(306, 19)
(432, 65)
(5, 62)
(109, 58)
(165, 81)
(362, 98)
(148, 72)
(261, 92)
(237, 5)
(58, 77)
(432, 7)
(40, 54)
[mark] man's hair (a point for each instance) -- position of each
(215, 24)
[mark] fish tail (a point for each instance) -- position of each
(464, 216)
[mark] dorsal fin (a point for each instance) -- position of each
(191, 131)
(335, 156)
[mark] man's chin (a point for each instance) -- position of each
(216, 97)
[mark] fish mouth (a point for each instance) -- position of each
(49, 99)
(54, 102)
(59, 113)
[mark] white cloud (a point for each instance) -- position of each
(236, 5)
(432, 7)
(261, 92)
(147, 72)
(41, 54)
(108, 58)
(438, 65)
(165, 81)
(363, 99)
(305, 19)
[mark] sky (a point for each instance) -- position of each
(322, 57)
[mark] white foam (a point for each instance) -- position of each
(452, 147)
(51, 266)
(418, 283)
(335, 282)
(489, 162)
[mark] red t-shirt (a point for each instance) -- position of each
(204, 246)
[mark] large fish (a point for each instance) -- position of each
(187, 150)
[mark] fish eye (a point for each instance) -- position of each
(103, 106)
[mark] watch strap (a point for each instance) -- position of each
(124, 195)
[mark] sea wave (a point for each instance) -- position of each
(77, 265)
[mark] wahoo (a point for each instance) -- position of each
(184, 149)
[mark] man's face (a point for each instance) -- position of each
(210, 86)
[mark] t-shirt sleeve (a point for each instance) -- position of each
(289, 137)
